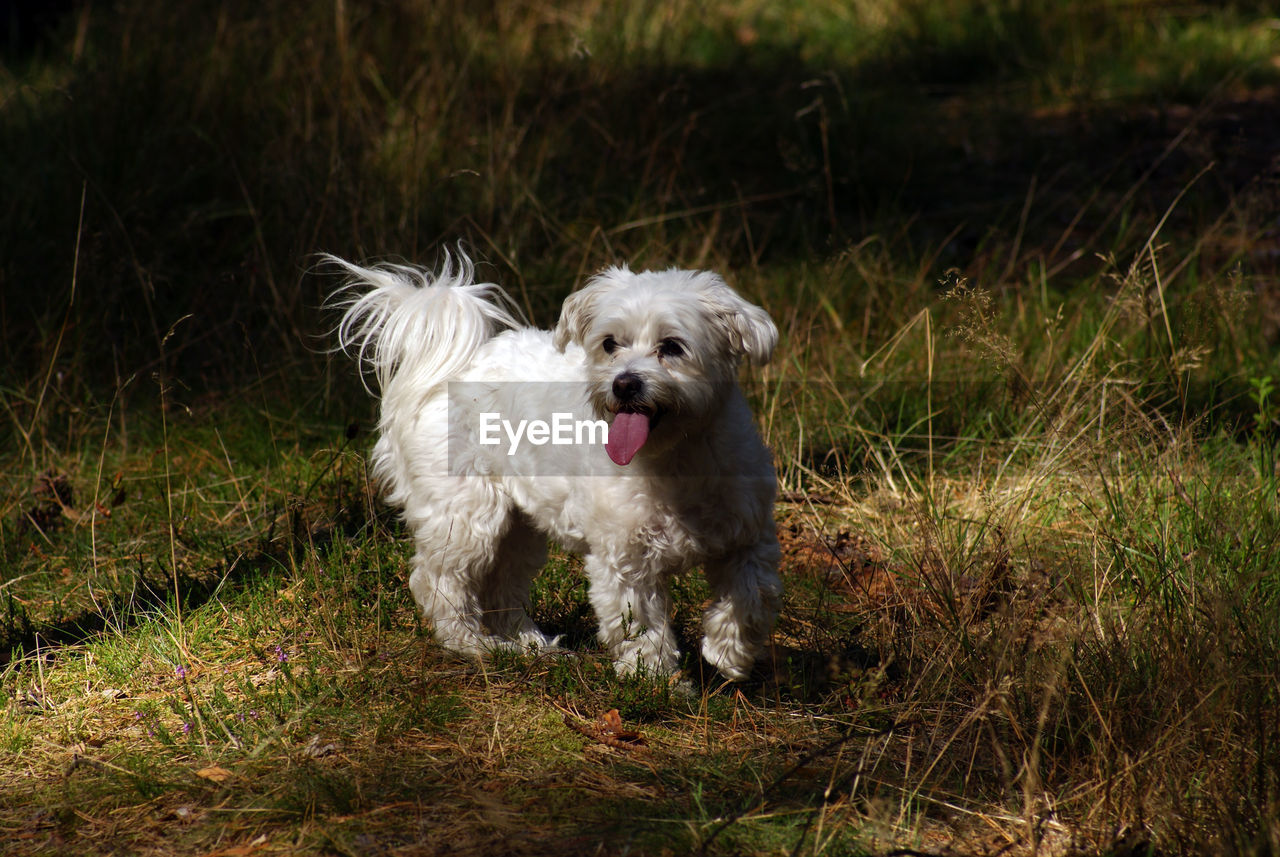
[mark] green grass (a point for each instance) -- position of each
(1025, 417)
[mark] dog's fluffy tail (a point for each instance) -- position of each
(406, 322)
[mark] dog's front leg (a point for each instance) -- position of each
(634, 611)
(746, 592)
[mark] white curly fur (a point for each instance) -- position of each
(699, 491)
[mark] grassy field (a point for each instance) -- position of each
(1025, 258)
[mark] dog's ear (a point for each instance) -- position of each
(575, 317)
(750, 330)
(580, 308)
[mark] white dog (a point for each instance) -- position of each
(492, 437)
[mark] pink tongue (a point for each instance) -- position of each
(627, 434)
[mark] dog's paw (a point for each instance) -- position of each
(540, 642)
(646, 654)
(733, 662)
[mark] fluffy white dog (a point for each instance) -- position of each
(493, 436)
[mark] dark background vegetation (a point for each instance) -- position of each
(186, 162)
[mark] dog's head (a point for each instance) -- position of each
(663, 348)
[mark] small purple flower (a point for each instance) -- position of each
(186, 727)
(181, 671)
(138, 715)
(281, 655)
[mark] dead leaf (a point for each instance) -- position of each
(611, 724)
(214, 773)
(607, 729)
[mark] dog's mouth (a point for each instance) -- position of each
(629, 431)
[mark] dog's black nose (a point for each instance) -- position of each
(628, 386)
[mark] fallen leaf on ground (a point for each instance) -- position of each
(214, 773)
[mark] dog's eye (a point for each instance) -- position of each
(670, 348)
(609, 345)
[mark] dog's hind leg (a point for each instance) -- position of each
(505, 596)
(457, 543)
(745, 590)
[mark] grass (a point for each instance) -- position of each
(1024, 414)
